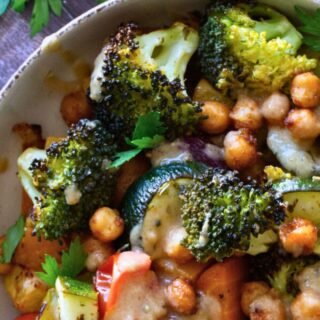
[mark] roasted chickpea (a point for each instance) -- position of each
(39, 248)
(308, 278)
(4, 267)
(217, 117)
(306, 306)
(246, 114)
(305, 90)
(97, 252)
(75, 107)
(181, 297)
(25, 289)
(106, 224)
(240, 149)
(299, 236)
(275, 108)
(303, 124)
(267, 307)
(251, 291)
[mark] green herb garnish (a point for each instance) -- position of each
(12, 238)
(72, 263)
(310, 27)
(40, 13)
(148, 133)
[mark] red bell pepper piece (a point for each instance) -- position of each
(113, 273)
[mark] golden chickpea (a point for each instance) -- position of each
(181, 297)
(303, 124)
(267, 307)
(240, 149)
(106, 224)
(97, 252)
(275, 108)
(246, 114)
(39, 248)
(306, 306)
(25, 289)
(4, 267)
(298, 237)
(305, 90)
(251, 291)
(217, 117)
(75, 107)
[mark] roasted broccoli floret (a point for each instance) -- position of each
(249, 46)
(222, 215)
(280, 270)
(137, 73)
(73, 179)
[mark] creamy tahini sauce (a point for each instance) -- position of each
(208, 308)
(162, 224)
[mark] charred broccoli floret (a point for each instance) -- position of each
(137, 73)
(223, 215)
(72, 179)
(280, 270)
(251, 46)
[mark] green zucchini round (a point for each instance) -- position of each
(143, 190)
(297, 185)
(302, 197)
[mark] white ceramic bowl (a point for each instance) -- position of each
(26, 98)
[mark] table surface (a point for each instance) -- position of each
(15, 41)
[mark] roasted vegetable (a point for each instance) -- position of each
(25, 289)
(72, 179)
(280, 270)
(223, 281)
(222, 215)
(141, 193)
(302, 197)
(137, 73)
(251, 46)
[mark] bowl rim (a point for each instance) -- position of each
(71, 25)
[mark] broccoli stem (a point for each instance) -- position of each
(275, 25)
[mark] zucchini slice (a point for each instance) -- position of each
(302, 197)
(144, 189)
(161, 231)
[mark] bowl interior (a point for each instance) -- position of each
(27, 97)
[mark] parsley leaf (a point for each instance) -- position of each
(40, 12)
(40, 16)
(148, 125)
(147, 142)
(124, 156)
(310, 27)
(56, 7)
(72, 263)
(12, 239)
(148, 133)
(51, 271)
(19, 5)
